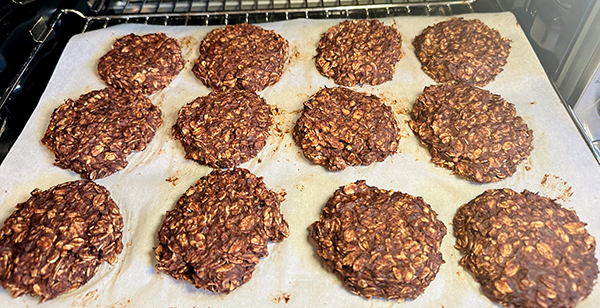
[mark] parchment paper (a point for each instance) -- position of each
(561, 166)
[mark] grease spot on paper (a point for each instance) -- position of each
(281, 297)
(173, 180)
(121, 304)
(556, 188)
(86, 299)
(188, 43)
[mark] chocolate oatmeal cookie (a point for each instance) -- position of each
(54, 242)
(219, 230)
(526, 250)
(94, 135)
(224, 129)
(340, 127)
(462, 50)
(359, 52)
(471, 131)
(380, 242)
(142, 64)
(241, 56)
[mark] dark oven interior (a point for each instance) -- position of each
(33, 33)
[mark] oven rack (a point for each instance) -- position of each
(223, 12)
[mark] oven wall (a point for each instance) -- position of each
(564, 34)
(582, 63)
(566, 37)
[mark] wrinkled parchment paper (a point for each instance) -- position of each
(561, 166)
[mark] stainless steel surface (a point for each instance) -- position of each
(39, 30)
(579, 80)
(553, 27)
(583, 61)
(592, 144)
(587, 108)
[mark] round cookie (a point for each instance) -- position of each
(471, 131)
(340, 127)
(462, 50)
(142, 64)
(55, 241)
(241, 56)
(526, 250)
(94, 135)
(359, 52)
(224, 129)
(378, 242)
(219, 230)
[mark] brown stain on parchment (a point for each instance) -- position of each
(159, 98)
(399, 105)
(401, 109)
(280, 190)
(295, 57)
(295, 54)
(86, 299)
(121, 304)
(188, 43)
(279, 130)
(279, 122)
(173, 180)
(528, 164)
(281, 297)
(556, 188)
(460, 276)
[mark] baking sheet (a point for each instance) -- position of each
(561, 166)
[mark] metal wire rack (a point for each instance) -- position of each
(219, 12)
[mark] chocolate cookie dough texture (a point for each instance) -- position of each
(340, 127)
(94, 135)
(359, 52)
(142, 64)
(241, 56)
(219, 230)
(380, 243)
(224, 129)
(471, 131)
(526, 250)
(55, 241)
(462, 50)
